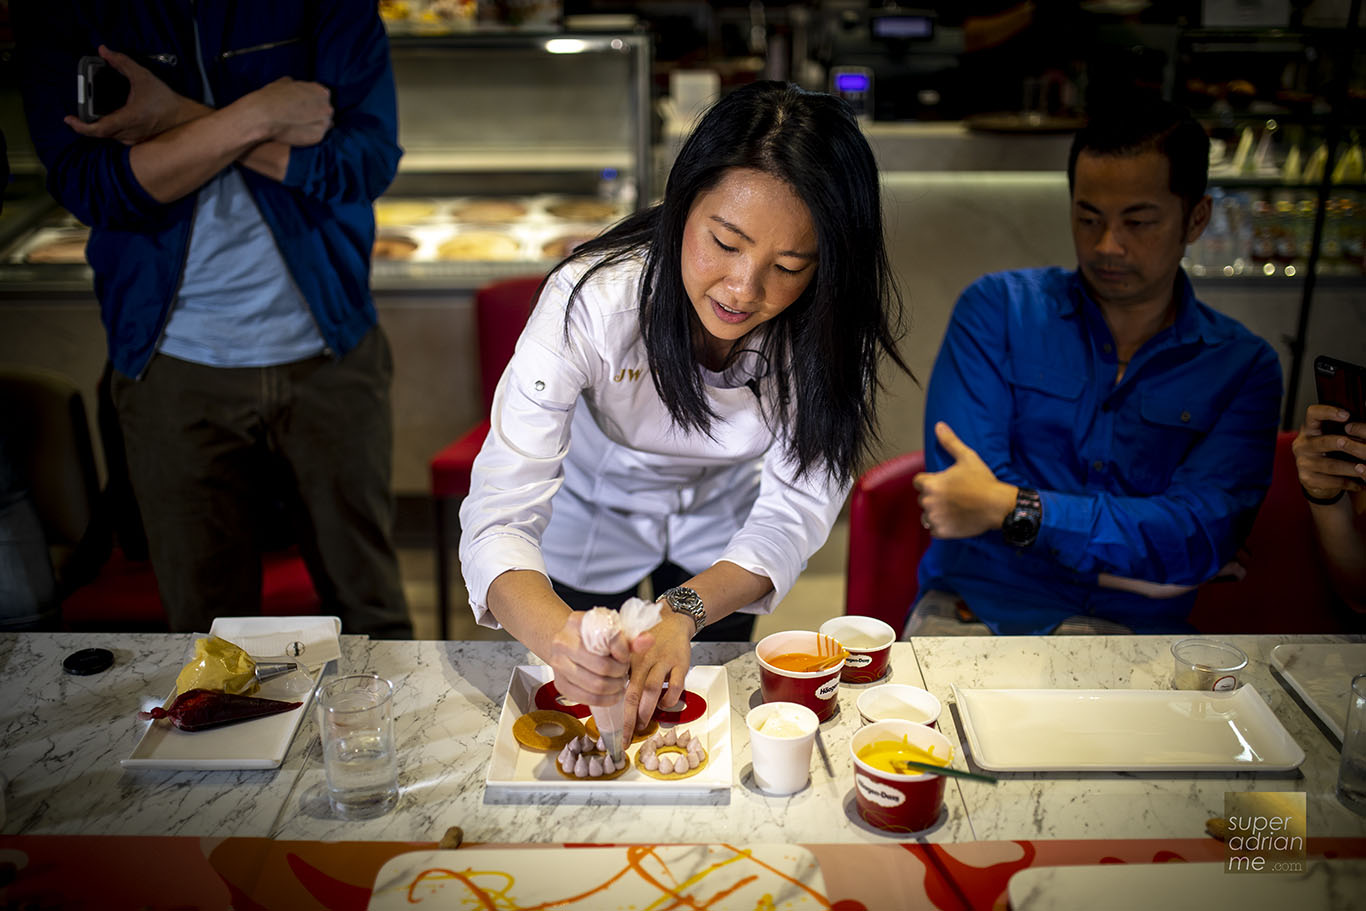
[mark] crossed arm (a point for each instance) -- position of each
(178, 145)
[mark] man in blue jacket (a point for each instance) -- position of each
(1097, 441)
(230, 204)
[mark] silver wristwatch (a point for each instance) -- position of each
(686, 601)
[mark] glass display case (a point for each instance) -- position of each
(517, 146)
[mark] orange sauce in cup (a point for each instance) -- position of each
(828, 653)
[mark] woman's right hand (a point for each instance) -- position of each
(1320, 475)
(585, 677)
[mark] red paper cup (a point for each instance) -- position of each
(814, 689)
(901, 702)
(891, 801)
(869, 643)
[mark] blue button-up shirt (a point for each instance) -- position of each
(1157, 477)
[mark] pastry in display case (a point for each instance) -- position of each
(477, 229)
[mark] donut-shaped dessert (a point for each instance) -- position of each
(527, 730)
(583, 759)
(671, 755)
(591, 726)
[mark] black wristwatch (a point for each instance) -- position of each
(686, 601)
(1021, 527)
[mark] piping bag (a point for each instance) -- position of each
(600, 626)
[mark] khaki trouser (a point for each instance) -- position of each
(201, 439)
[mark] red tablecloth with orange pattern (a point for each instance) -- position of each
(256, 874)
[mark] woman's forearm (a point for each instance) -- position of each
(526, 606)
(725, 587)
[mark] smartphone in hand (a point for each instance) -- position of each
(100, 89)
(1342, 385)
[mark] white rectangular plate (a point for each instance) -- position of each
(513, 766)
(1141, 887)
(634, 877)
(1321, 673)
(1124, 731)
(257, 744)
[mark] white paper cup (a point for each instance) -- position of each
(901, 702)
(782, 761)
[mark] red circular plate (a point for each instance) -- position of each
(548, 697)
(694, 707)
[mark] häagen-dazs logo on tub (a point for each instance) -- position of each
(858, 660)
(877, 792)
(827, 690)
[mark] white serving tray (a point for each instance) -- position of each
(257, 744)
(513, 766)
(621, 878)
(1124, 731)
(1321, 673)
(1181, 886)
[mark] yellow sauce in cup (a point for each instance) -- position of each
(880, 753)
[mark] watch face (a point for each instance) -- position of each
(1021, 527)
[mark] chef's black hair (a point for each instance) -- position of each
(823, 351)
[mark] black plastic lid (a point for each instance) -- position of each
(88, 661)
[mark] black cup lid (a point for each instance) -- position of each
(88, 661)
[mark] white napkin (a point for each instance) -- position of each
(311, 641)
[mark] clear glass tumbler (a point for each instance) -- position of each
(1352, 771)
(356, 719)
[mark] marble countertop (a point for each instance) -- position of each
(1122, 804)
(61, 739)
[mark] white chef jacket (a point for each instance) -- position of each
(632, 490)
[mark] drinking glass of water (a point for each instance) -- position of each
(356, 717)
(1352, 772)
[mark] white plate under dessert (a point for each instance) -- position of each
(1124, 730)
(515, 766)
(779, 877)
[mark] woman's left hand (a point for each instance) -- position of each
(667, 660)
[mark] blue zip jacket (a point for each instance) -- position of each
(322, 213)
(1156, 478)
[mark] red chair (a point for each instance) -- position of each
(501, 310)
(1287, 589)
(886, 541)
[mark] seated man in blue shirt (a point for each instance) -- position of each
(1097, 441)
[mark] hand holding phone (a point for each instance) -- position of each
(1342, 385)
(100, 89)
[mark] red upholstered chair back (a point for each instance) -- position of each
(1287, 589)
(501, 310)
(886, 541)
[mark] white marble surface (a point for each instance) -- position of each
(62, 736)
(449, 698)
(1122, 805)
(61, 739)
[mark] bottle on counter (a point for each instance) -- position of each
(1263, 246)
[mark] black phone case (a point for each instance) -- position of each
(1342, 385)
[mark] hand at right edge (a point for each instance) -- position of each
(1320, 475)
